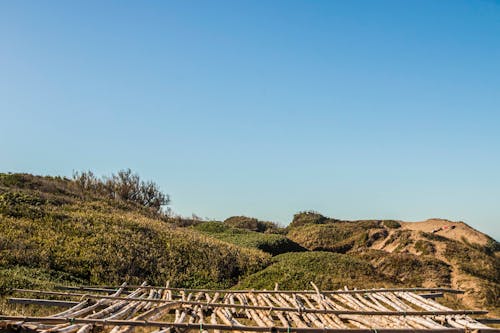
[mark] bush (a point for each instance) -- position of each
(251, 223)
(308, 217)
(212, 227)
(402, 237)
(434, 237)
(125, 186)
(492, 246)
(12, 180)
(425, 247)
(392, 224)
(16, 204)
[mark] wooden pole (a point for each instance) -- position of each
(226, 291)
(187, 326)
(46, 302)
(270, 308)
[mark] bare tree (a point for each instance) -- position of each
(124, 185)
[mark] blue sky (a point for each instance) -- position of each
(356, 109)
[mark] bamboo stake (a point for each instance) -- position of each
(263, 316)
(279, 314)
(105, 312)
(430, 304)
(213, 321)
(278, 298)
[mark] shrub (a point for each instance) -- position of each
(425, 247)
(492, 246)
(392, 224)
(402, 237)
(251, 223)
(125, 186)
(434, 237)
(307, 217)
(12, 180)
(16, 204)
(212, 227)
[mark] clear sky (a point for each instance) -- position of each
(356, 109)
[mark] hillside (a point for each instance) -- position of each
(54, 232)
(273, 244)
(461, 258)
(449, 229)
(327, 270)
(64, 231)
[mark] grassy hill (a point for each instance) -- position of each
(273, 244)
(56, 233)
(86, 231)
(411, 256)
(327, 270)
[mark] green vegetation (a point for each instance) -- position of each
(490, 293)
(392, 224)
(124, 186)
(309, 217)
(270, 243)
(425, 247)
(32, 278)
(87, 230)
(477, 262)
(406, 268)
(336, 237)
(252, 224)
(474, 261)
(492, 246)
(403, 239)
(328, 270)
(433, 237)
(59, 233)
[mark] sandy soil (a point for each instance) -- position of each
(460, 231)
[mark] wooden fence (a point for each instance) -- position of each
(123, 309)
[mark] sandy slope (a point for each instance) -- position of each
(461, 230)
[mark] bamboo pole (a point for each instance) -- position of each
(223, 291)
(115, 310)
(285, 309)
(279, 314)
(46, 302)
(187, 326)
